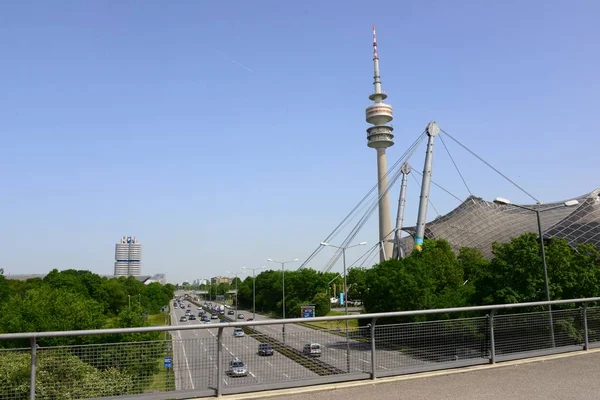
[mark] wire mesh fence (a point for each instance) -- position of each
(205, 359)
(414, 345)
(535, 331)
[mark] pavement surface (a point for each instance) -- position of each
(334, 347)
(563, 377)
(195, 357)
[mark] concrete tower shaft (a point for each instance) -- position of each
(380, 137)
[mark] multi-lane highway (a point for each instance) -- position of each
(334, 347)
(195, 357)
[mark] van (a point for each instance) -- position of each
(312, 350)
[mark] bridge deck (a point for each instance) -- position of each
(561, 377)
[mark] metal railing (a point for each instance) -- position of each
(196, 360)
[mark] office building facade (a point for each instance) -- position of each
(128, 257)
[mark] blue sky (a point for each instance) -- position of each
(221, 135)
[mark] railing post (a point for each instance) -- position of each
(586, 339)
(373, 348)
(220, 362)
(33, 362)
(492, 340)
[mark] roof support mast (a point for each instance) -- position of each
(398, 252)
(432, 131)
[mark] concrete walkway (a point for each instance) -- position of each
(562, 377)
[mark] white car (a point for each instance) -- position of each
(238, 332)
(237, 368)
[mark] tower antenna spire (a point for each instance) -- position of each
(376, 77)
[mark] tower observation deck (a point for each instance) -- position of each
(380, 137)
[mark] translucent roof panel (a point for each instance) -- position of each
(479, 223)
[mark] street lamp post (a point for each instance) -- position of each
(570, 203)
(254, 289)
(283, 290)
(344, 248)
(236, 290)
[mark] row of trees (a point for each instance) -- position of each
(80, 300)
(436, 277)
(302, 287)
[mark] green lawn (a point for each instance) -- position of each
(352, 323)
(164, 380)
(156, 319)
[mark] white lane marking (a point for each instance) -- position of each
(185, 356)
(254, 376)
(381, 366)
(365, 361)
(286, 375)
(269, 363)
(225, 381)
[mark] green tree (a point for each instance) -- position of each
(514, 275)
(322, 304)
(357, 283)
(60, 375)
(113, 296)
(50, 309)
(432, 278)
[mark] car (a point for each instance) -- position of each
(265, 349)
(223, 321)
(241, 316)
(192, 317)
(237, 368)
(207, 321)
(189, 306)
(214, 316)
(230, 312)
(312, 350)
(238, 332)
(183, 318)
(250, 319)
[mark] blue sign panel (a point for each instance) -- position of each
(341, 298)
(308, 312)
(168, 362)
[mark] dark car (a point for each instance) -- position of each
(192, 317)
(250, 319)
(265, 349)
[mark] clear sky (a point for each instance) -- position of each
(223, 133)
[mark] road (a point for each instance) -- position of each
(195, 358)
(334, 347)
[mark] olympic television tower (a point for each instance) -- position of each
(380, 137)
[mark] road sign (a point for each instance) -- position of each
(308, 311)
(168, 362)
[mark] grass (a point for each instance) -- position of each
(163, 380)
(333, 325)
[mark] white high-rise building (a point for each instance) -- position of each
(128, 257)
